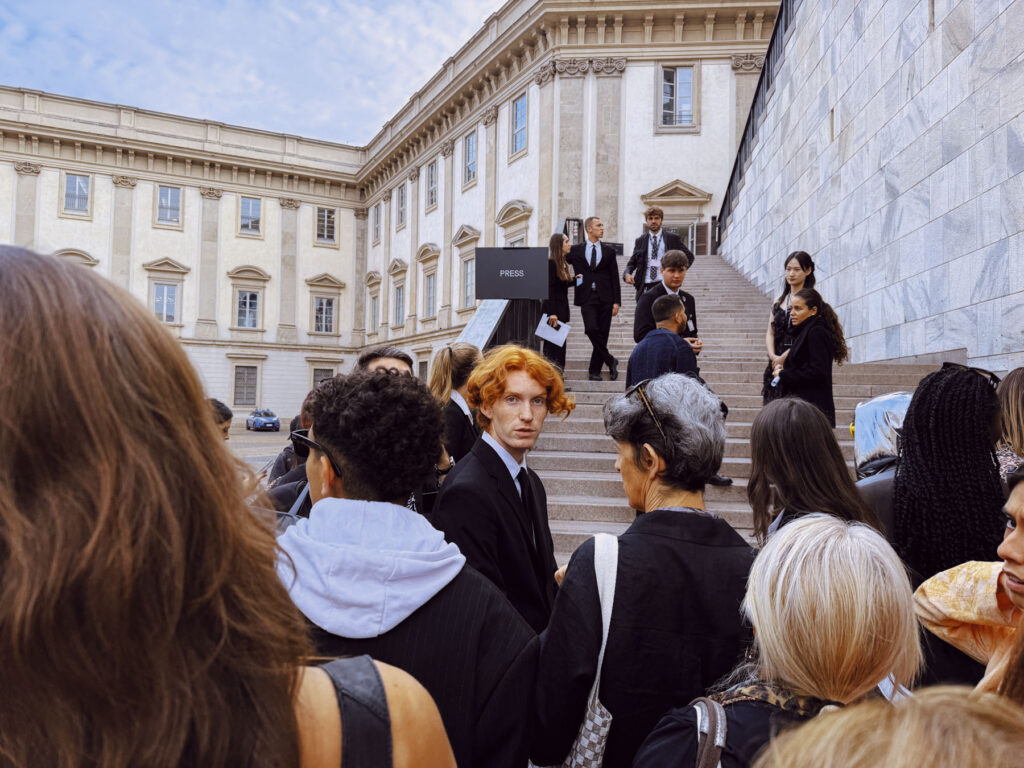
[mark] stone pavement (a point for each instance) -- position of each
(576, 460)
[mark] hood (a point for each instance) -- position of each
(359, 568)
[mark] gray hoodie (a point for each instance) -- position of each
(363, 567)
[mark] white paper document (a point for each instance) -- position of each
(556, 336)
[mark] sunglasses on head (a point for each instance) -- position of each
(993, 380)
(302, 444)
(640, 389)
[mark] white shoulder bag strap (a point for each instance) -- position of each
(606, 569)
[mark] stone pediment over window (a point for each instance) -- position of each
(249, 272)
(428, 252)
(373, 277)
(326, 282)
(675, 193)
(77, 257)
(166, 267)
(465, 235)
(397, 267)
(512, 212)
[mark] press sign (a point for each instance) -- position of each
(511, 273)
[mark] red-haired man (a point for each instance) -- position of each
(491, 505)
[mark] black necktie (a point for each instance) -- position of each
(524, 492)
(593, 256)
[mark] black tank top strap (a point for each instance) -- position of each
(365, 723)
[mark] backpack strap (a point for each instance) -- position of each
(711, 732)
(365, 722)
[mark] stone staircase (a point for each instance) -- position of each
(576, 460)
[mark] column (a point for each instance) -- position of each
(570, 137)
(545, 78)
(491, 182)
(746, 68)
(206, 322)
(447, 148)
(359, 280)
(286, 330)
(385, 289)
(608, 142)
(25, 204)
(412, 215)
(121, 249)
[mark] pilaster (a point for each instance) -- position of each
(570, 74)
(206, 321)
(385, 298)
(287, 332)
(447, 150)
(608, 139)
(545, 79)
(491, 182)
(359, 303)
(413, 217)
(121, 248)
(25, 204)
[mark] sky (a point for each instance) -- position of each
(323, 69)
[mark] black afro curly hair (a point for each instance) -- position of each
(384, 430)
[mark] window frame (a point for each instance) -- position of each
(332, 331)
(467, 179)
(430, 187)
(694, 65)
(430, 308)
(513, 153)
(238, 291)
(78, 214)
(400, 207)
(317, 242)
(373, 326)
(320, 365)
(164, 223)
(398, 309)
(376, 223)
(467, 295)
(259, 233)
(155, 285)
(257, 368)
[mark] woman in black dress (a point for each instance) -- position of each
(557, 305)
(449, 373)
(779, 338)
(805, 371)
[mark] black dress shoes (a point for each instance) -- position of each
(595, 377)
(719, 480)
(613, 370)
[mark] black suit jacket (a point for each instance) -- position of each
(643, 320)
(637, 264)
(480, 511)
(459, 432)
(605, 277)
(807, 372)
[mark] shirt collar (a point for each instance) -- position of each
(460, 401)
(669, 290)
(507, 459)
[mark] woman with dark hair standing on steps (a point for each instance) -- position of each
(797, 468)
(805, 371)
(557, 305)
(779, 338)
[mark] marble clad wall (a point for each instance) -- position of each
(892, 150)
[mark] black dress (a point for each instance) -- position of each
(557, 304)
(783, 330)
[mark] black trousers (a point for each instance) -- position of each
(597, 322)
(555, 353)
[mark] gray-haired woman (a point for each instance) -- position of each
(682, 571)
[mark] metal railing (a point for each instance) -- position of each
(765, 85)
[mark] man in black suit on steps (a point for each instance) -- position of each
(644, 267)
(491, 505)
(597, 294)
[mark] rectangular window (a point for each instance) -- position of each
(376, 223)
(323, 315)
(374, 314)
(325, 225)
(432, 184)
(469, 158)
(168, 207)
(429, 294)
(76, 193)
(250, 223)
(424, 372)
(321, 374)
(677, 96)
(245, 384)
(399, 305)
(468, 282)
(400, 206)
(518, 125)
(165, 302)
(248, 309)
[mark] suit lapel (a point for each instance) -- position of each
(506, 486)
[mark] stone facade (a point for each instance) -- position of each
(560, 110)
(892, 150)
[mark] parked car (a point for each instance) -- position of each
(263, 419)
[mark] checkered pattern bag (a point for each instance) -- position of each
(588, 749)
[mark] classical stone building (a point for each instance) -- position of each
(276, 259)
(887, 139)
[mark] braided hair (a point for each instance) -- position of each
(947, 496)
(828, 317)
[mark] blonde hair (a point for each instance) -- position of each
(941, 727)
(451, 368)
(1011, 403)
(832, 609)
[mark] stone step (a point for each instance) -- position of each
(575, 512)
(608, 485)
(581, 425)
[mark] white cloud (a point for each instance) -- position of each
(331, 69)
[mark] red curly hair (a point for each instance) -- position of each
(489, 378)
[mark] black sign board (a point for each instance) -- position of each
(511, 273)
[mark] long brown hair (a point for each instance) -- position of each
(793, 450)
(1012, 686)
(556, 255)
(450, 369)
(828, 316)
(1011, 403)
(142, 621)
